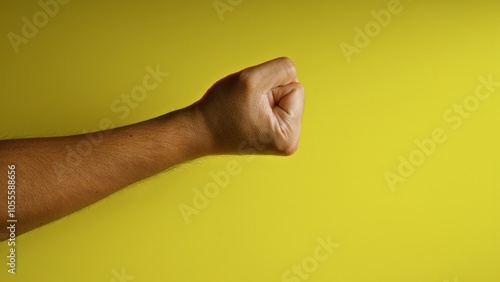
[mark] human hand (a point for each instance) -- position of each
(260, 105)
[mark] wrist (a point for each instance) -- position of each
(201, 137)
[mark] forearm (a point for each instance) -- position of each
(50, 184)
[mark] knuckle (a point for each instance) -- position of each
(290, 149)
(299, 88)
(247, 79)
(288, 64)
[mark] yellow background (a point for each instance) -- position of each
(442, 223)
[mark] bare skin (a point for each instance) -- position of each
(261, 105)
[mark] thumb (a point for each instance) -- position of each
(287, 106)
(288, 101)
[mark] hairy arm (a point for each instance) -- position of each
(261, 105)
(51, 183)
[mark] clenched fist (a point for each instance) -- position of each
(260, 105)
